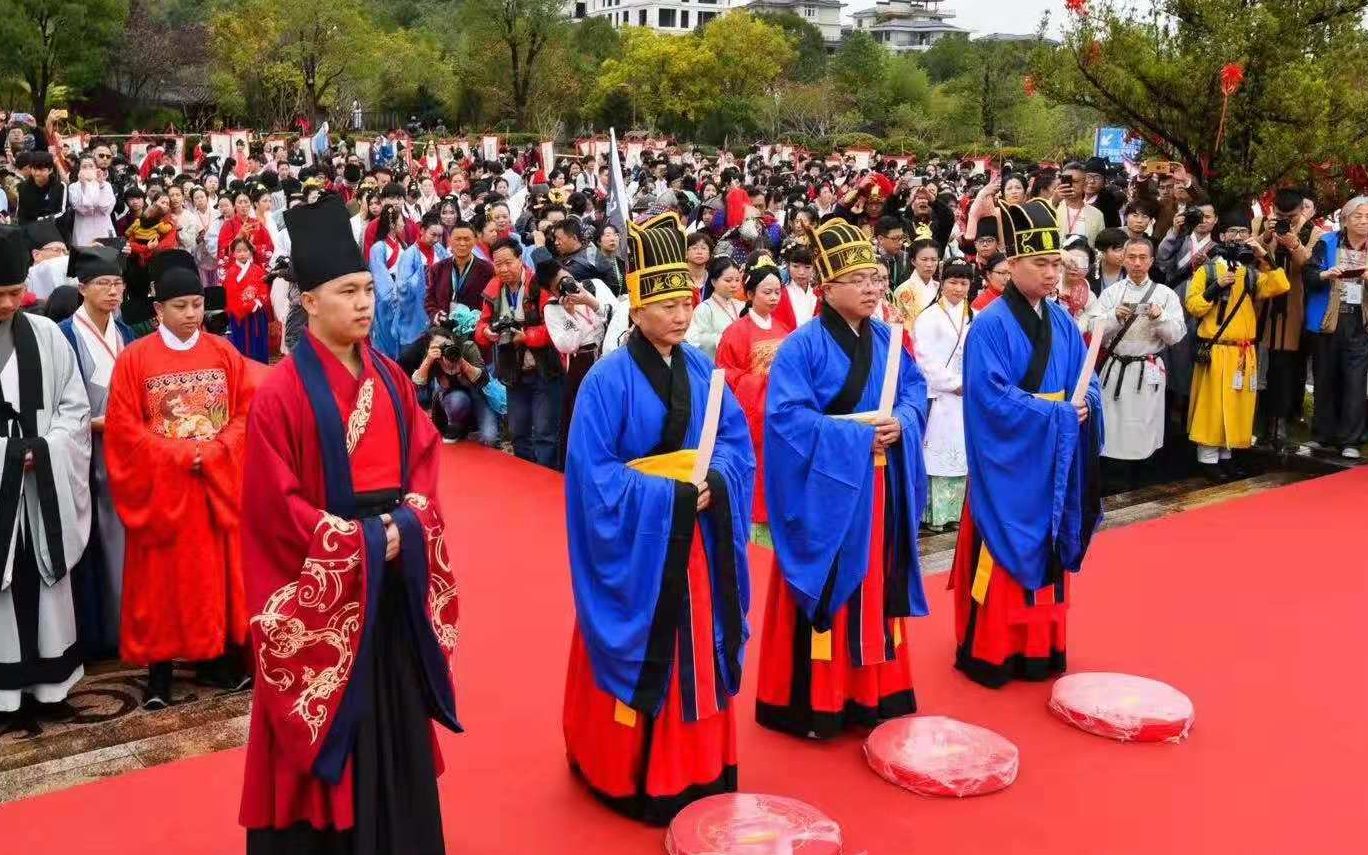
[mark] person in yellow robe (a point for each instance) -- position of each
(1225, 295)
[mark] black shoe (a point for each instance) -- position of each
(1233, 468)
(1212, 472)
(158, 695)
(225, 672)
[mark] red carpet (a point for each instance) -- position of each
(1254, 608)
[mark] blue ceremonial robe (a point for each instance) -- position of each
(819, 470)
(630, 533)
(1029, 493)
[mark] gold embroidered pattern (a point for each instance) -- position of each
(442, 590)
(361, 415)
(285, 634)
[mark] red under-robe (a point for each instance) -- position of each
(746, 352)
(183, 596)
(244, 290)
(304, 587)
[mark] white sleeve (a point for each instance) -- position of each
(565, 334)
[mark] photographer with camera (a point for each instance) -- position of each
(1076, 216)
(450, 376)
(512, 323)
(1225, 295)
(577, 320)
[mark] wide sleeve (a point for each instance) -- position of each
(150, 477)
(734, 353)
(929, 350)
(1171, 325)
(1273, 283)
(384, 282)
(816, 468)
(221, 459)
(618, 522)
(703, 332)
(1020, 447)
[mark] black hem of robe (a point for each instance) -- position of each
(658, 811)
(816, 724)
(1033, 669)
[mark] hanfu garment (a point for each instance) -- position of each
(844, 524)
(247, 299)
(384, 268)
(1034, 493)
(746, 353)
(352, 652)
(168, 400)
(661, 590)
(98, 578)
(1133, 374)
(939, 338)
(44, 510)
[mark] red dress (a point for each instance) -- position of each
(260, 236)
(245, 291)
(746, 352)
(183, 593)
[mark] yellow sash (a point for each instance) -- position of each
(677, 465)
(983, 571)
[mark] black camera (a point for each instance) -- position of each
(453, 350)
(567, 286)
(1234, 253)
(506, 323)
(1282, 226)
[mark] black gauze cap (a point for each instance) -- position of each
(92, 262)
(321, 244)
(14, 256)
(177, 282)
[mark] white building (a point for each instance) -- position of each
(668, 16)
(680, 16)
(906, 25)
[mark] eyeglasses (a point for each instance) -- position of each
(999, 273)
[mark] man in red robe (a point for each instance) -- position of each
(353, 601)
(174, 431)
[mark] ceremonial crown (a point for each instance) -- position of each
(658, 255)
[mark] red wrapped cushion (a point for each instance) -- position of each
(937, 756)
(752, 824)
(1123, 707)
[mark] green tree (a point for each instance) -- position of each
(671, 81)
(752, 53)
(1300, 103)
(510, 39)
(57, 42)
(990, 83)
(811, 61)
(907, 83)
(947, 58)
(858, 72)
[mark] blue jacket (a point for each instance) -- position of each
(1323, 257)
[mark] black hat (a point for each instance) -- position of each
(168, 259)
(1096, 166)
(14, 256)
(177, 282)
(1237, 218)
(41, 233)
(1031, 228)
(322, 247)
(91, 262)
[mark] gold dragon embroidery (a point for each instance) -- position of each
(360, 415)
(284, 635)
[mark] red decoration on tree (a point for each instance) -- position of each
(1028, 83)
(1078, 7)
(1232, 75)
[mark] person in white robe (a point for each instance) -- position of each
(44, 496)
(938, 338)
(97, 338)
(1140, 319)
(720, 310)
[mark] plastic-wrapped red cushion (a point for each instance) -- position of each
(937, 756)
(1123, 707)
(752, 824)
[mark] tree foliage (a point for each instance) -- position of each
(809, 66)
(57, 42)
(1300, 103)
(510, 40)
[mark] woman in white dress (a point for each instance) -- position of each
(939, 344)
(720, 310)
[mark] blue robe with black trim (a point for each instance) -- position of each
(620, 522)
(819, 470)
(1028, 457)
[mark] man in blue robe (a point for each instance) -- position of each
(1033, 495)
(846, 497)
(658, 560)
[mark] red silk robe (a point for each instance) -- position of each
(260, 236)
(305, 584)
(746, 352)
(183, 595)
(244, 289)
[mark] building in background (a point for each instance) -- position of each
(906, 25)
(825, 15)
(667, 16)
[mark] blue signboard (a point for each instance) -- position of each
(1112, 144)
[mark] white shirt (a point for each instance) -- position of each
(169, 339)
(804, 303)
(102, 362)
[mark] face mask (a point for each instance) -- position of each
(47, 275)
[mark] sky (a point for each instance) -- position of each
(988, 16)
